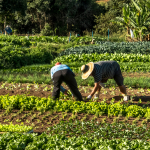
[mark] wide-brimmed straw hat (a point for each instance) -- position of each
(87, 70)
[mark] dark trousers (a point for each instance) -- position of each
(66, 76)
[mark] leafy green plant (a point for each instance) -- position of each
(15, 128)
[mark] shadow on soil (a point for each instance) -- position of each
(137, 98)
(145, 100)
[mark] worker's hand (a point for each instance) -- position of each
(66, 92)
(89, 97)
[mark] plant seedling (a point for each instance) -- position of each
(6, 120)
(64, 116)
(103, 120)
(27, 121)
(112, 101)
(39, 121)
(18, 120)
(140, 101)
(49, 122)
(105, 92)
(115, 120)
(43, 118)
(134, 121)
(143, 122)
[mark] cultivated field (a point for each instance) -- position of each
(104, 123)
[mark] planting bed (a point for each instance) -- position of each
(104, 123)
(45, 90)
(40, 121)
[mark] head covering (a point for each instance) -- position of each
(87, 70)
(58, 63)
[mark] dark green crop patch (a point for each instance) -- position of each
(110, 47)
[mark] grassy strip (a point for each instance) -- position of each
(44, 104)
(14, 128)
(44, 141)
(141, 82)
(75, 67)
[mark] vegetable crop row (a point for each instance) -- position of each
(120, 57)
(14, 128)
(33, 142)
(17, 40)
(43, 104)
(110, 47)
(101, 129)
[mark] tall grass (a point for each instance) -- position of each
(141, 82)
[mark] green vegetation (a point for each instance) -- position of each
(16, 51)
(136, 16)
(120, 57)
(28, 41)
(44, 141)
(29, 60)
(110, 47)
(75, 67)
(100, 130)
(15, 128)
(44, 104)
(136, 82)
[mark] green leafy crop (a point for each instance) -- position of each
(15, 128)
(41, 104)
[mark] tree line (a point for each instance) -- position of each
(60, 17)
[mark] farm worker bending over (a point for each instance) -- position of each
(60, 73)
(102, 71)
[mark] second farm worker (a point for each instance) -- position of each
(102, 71)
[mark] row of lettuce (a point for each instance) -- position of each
(102, 129)
(100, 47)
(15, 128)
(120, 57)
(44, 104)
(14, 57)
(72, 60)
(92, 128)
(59, 142)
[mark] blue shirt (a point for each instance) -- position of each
(57, 68)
